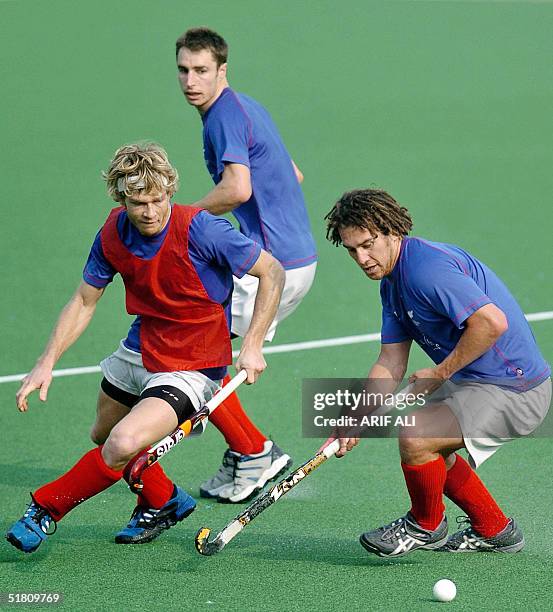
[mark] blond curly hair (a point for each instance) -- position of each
(140, 167)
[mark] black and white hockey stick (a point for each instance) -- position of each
(206, 547)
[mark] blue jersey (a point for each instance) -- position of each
(217, 252)
(433, 289)
(239, 130)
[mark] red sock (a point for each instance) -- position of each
(241, 434)
(89, 476)
(463, 487)
(425, 484)
(158, 489)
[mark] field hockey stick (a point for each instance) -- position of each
(155, 452)
(207, 548)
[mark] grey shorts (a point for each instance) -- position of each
(490, 415)
(125, 370)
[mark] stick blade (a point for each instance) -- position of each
(204, 546)
(143, 461)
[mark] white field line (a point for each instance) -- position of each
(279, 348)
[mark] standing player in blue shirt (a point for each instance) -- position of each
(489, 384)
(259, 183)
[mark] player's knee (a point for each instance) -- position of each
(412, 448)
(97, 435)
(120, 447)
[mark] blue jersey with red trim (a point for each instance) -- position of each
(238, 130)
(433, 289)
(216, 250)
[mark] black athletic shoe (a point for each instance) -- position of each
(403, 536)
(147, 523)
(509, 540)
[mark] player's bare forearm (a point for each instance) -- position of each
(483, 329)
(219, 200)
(271, 282)
(382, 381)
(384, 377)
(391, 365)
(73, 320)
(233, 189)
(385, 374)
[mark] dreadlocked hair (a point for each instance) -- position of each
(371, 209)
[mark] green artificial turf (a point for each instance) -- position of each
(445, 104)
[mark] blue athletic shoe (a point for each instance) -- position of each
(31, 529)
(147, 523)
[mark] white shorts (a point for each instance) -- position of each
(124, 370)
(297, 284)
(490, 416)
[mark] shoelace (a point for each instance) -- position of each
(470, 538)
(145, 515)
(391, 530)
(40, 516)
(468, 532)
(230, 462)
(247, 475)
(462, 520)
(228, 466)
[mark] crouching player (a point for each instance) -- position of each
(490, 381)
(177, 263)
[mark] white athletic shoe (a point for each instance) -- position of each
(223, 478)
(250, 473)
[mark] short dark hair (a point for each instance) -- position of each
(371, 209)
(197, 39)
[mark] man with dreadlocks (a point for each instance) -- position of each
(177, 263)
(489, 383)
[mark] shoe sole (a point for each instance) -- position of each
(167, 524)
(213, 493)
(269, 476)
(17, 544)
(512, 548)
(373, 549)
